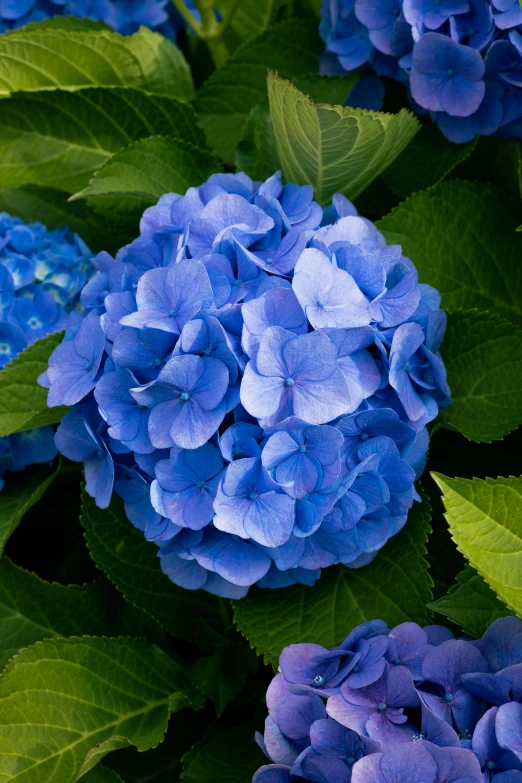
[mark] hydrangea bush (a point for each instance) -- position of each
(41, 275)
(254, 377)
(251, 372)
(460, 60)
(400, 705)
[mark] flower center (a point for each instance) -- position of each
(408, 367)
(381, 707)
(157, 362)
(88, 366)
(302, 449)
(356, 669)
(318, 681)
(490, 765)
(397, 661)
(171, 313)
(289, 382)
(364, 436)
(253, 496)
(449, 697)
(320, 304)
(450, 71)
(200, 485)
(184, 396)
(350, 761)
(4, 348)
(99, 453)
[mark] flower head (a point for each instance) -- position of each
(247, 367)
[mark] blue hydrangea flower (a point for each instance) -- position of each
(254, 380)
(460, 60)
(41, 273)
(124, 16)
(373, 730)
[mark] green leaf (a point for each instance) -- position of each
(32, 610)
(461, 237)
(470, 604)
(223, 675)
(495, 162)
(35, 60)
(101, 775)
(256, 153)
(21, 492)
(225, 100)
(224, 755)
(67, 23)
(136, 177)
(425, 162)
(396, 587)
(50, 206)
(252, 17)
(333, 148)
(163, 764)
(483, 357)
(62, 698)
(485, 520)
(59, 138)
(23, 403)
(132, 564)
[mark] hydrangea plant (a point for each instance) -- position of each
(254, 377)
(460, 60)
(400, 705)
(41, 275)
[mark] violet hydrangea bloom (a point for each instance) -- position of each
(459, 59)
(41, 275)
(373, 730)
(258, 382)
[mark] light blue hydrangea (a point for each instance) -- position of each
(41, 275)
(255, 381)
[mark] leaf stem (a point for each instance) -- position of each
(188, 16)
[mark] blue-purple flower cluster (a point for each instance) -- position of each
(254, 378)
(461, 60)
(406, 705)
(41, 275)
(124, 16)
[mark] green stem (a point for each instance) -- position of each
(188, 16)
(229, 15)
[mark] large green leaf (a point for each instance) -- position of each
(483, 357)
(485, 520)
(132, 564)
(23, 403)
(461, 237)
(225, 100)
(62, 699)
(396, 587)
(21, 491)
(50, 206)
(136, 177)
(471, 604)
(32, 610)
(425, 162)
(333, 148)
(256, 152)
(45, 59)
(59, 138)
(496, 162)
(224, 755)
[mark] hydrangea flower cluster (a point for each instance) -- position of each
(254, 378)
(406, 705)
(124, 16)
(461, 60)
(41, 275)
